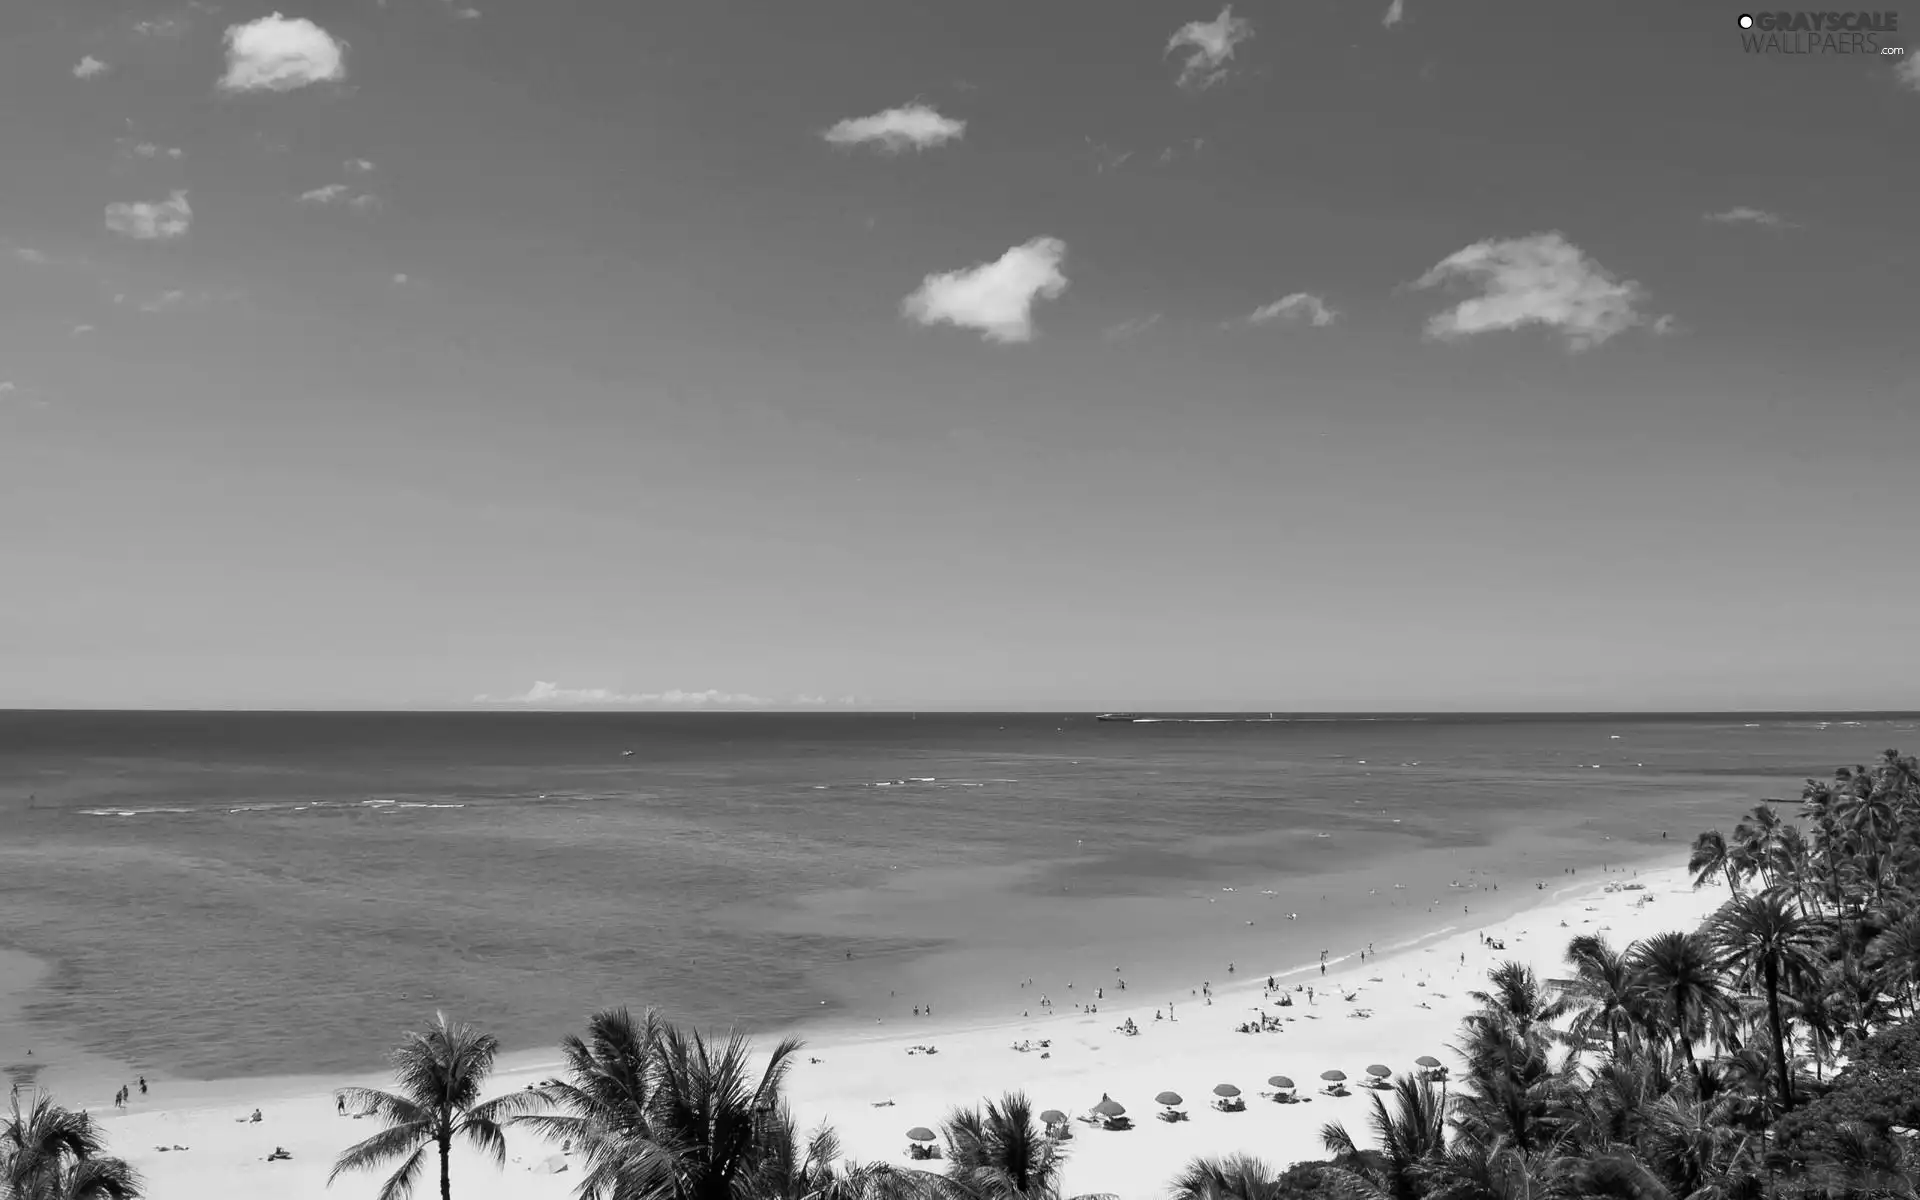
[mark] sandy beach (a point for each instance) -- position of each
(873, 1089)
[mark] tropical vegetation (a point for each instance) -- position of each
(52, 1153)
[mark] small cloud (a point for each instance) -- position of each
(364, 202)
(80, 330)
(1396, 13)
(1541, 279)
(324, 195)
(544, 693)
(164, 27)
(152, 150)
(1300, 306)
(400, 279)
(88, 67)
(465, 14)
(912, 127)
(7, 385)
(1106, 158)
(28, 254)
(1908, 72)
(359, 166)
(1742, 215)
(1664, 325)
(279, 54)
(995, 297)
(1130, 328)
(151, 222)
(166, 300)
(1210, 46)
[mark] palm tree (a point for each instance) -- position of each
(1411, 1136)
(1681, 983)
(1518, 998)
(1711, 856)
(52, 1153)
(1758, 934)
(438, 1075)
(603, 1101)
(1603, 990)
(999, 1153)
(1235, 1177)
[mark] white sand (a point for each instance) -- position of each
(1417, 997)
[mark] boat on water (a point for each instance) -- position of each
(1115, 717)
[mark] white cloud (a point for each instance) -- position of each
(1541, 279)
(1210, 46)
(151, 222)
(172, 299)
(1396, 13)
(164, 27)
(1300, 306)
(7, 385)
(364, 202)
(995, 297)
(400, 279)
(1130, 328)
(359, 166)
(1908, 72)
(912, 127)
(543, 692)
(150, 150)
(325, 195)
(1740, 214)
(279, 54)
(81, 329)
(88, 67)
(30, 255)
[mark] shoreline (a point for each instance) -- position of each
(873, 1084)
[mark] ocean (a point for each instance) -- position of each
(226, 895)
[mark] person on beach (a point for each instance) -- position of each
(340, 1105)
(143, 1085)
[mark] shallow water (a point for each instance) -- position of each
(289, 890)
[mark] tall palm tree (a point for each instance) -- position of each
(1758, 934)
(52, 1153)
(1518, 997)
(438, 1075)
(1711, 856)
(1412, 1136)
(602, 1102)
(1681, 982)
(1603, 990)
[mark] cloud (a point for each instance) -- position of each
(1396, 13)
(7, 385)
(1908, 72)
(88, 67)
(1130, 328)
(28, 254)
(279, 54)
(171, 299)
(1300, 306)
(340, 193)
(1210, 45)
(164, 27)
(1541, 279)
(400, 279)
(996, 297)
(359, 166)
(151, 222)
(913, 127)
(81, 329)
(546, 693)
(1740, 214)
(1106, 158)
(150, 150)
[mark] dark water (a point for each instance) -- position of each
(250, 894)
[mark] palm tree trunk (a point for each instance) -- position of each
(446, 1167)
(1779, 1039)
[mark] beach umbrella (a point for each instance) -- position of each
(1426, 1060)
(1110, 1108)
(1280, 1081)
(1169, 1099)
(1334, 1076)
(919, 1133)
(1378, 1071)
(1054, 1116)
(1225, 1090)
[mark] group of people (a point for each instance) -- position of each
(125, 1093)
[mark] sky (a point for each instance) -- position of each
(1299, 355)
